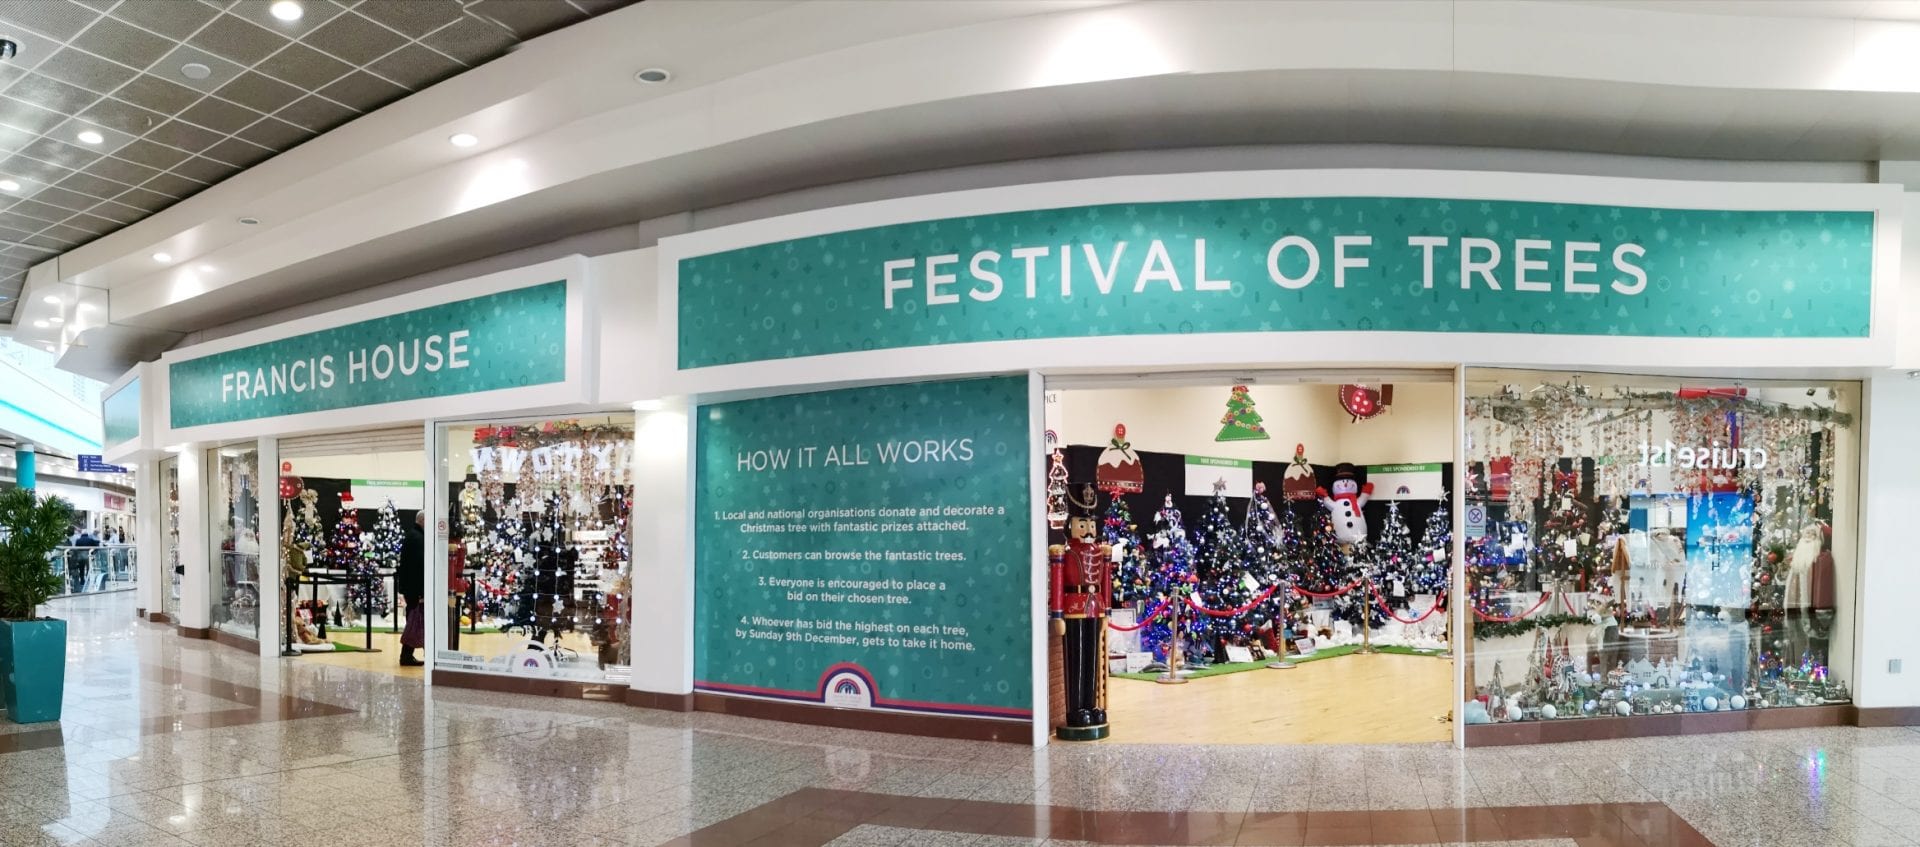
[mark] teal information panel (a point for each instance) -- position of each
(512, 339)
(120, 414)
(1277, 265)
(868, 548)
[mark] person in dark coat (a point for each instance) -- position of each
(409, 581)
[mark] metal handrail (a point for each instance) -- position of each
(92, 570)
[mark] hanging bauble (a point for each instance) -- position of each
(1362, 402)
(291, 486)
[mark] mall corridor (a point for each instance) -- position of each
(171, 741)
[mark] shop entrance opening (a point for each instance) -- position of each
(348, 514)
(1279, 550)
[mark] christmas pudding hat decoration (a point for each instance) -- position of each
(1362, 402)
(1298, 483)
(1120, 471)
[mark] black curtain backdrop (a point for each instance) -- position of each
(330, 489)
(1166, 473)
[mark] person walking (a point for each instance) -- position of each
(410, 583)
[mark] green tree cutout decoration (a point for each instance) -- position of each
(1241, 422)
(30, 529)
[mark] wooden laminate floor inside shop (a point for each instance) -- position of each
(1377, 699)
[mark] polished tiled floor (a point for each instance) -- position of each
(176, 742)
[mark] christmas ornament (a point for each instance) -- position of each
(1362, 402)
(1737, 701)
(1057, 491)
(290, 486)
(1297, 481)
(1241, 422)
(1119, 471)
(1548, 712)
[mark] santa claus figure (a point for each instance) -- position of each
(1345, 503)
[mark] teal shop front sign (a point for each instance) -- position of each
(120, 414)
(511, 339)
(868, 548)
(1280, 265)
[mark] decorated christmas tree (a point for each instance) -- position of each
(367, 597)
(1132, 576)
(344, 553)
(543, 600)
(306, 538)
(497, 579)
(1171, 579)
(1241, 422)
(1224, 582)
(1394, 559)
(383, 546)
(1325, 568)
(1564, 549)
(1265, 541)
(1435, 553)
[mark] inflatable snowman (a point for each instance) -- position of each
(1345, 503)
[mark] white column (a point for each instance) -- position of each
(660, 538)
(1888, 582)
(150, 505)
(196, 583)
(271, 588)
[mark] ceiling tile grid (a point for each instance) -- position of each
(115, 109)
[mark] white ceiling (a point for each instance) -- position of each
(774, 96)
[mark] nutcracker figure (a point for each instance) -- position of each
(1082, 582)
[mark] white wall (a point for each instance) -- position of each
(1185, 419)
(662, 624)
(1888, 628)
(196, 581)
(407, 464)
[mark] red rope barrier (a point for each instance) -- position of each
(1327, 596)
(1568, 604)
(1143, 621)
(1528, 613)
(1389, 609)
(1232, 612)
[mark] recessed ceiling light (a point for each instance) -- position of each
(53, 299)
(163, 258)
(195, 70)
(462, 139)
(287, 10)
(56, 320)
(39, 324)
(90, 137)
(9, 185)
(205, 269)
(249, 221)
(653, 76)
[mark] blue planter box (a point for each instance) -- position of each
(33, 668)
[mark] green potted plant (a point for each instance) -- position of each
(33, 651)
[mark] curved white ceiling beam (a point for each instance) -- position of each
(563, 115)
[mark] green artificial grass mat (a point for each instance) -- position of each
(1324, 653)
